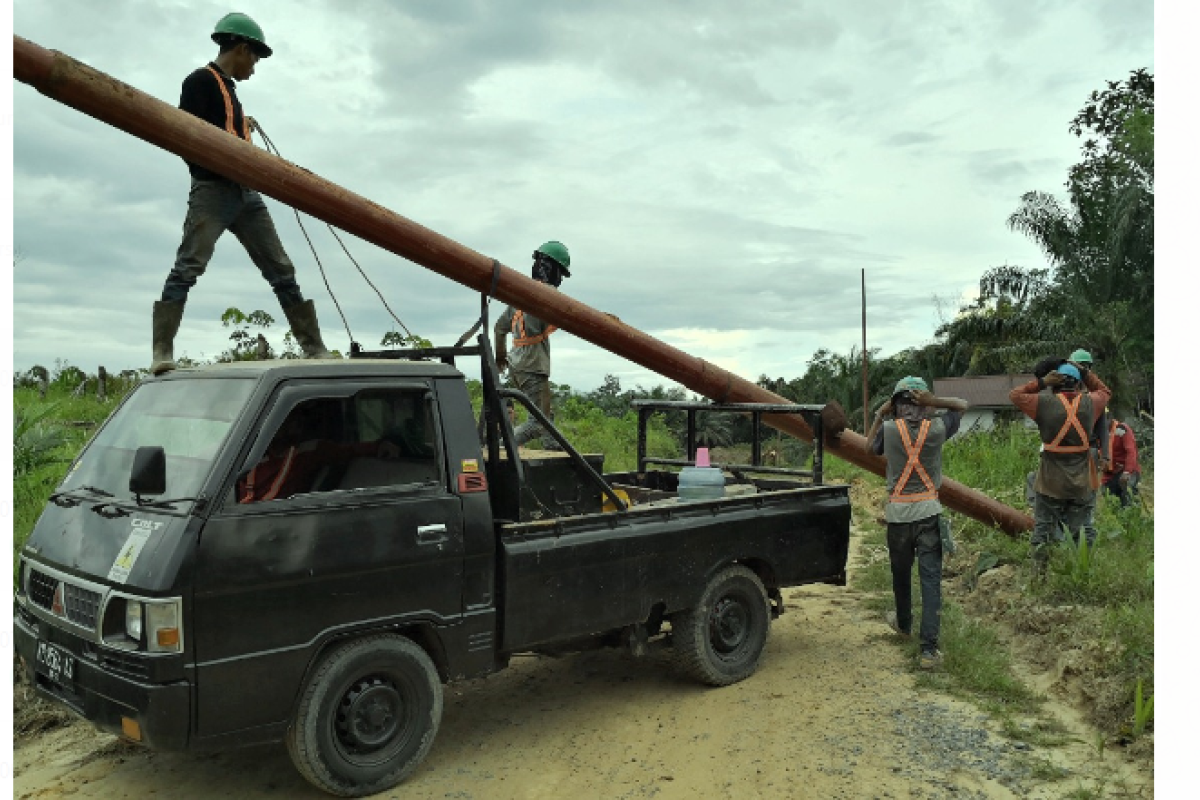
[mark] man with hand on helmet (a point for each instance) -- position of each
(912, 442)
(1065, 405)
(1097, 435)
(217, 204)
(529, 363)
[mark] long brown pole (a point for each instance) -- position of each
(96, 94)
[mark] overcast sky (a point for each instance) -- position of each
(720, 171)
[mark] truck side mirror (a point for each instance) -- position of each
(148, 475)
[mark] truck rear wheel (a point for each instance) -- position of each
(368, 716)
(720, 641)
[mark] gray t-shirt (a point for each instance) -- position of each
(529, 350)
(887, 442)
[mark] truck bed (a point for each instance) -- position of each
(653, 559)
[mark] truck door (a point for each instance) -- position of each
(338, 519)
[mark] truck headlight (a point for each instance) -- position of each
(151, 626)
(133, 620)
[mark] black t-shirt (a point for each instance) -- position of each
(202, 96)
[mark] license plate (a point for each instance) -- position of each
(57, 664)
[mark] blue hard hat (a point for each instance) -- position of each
(1070, 371)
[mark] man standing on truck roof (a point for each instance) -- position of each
(529, 363)
(912, 443)
(1064, 404)
(217, 204)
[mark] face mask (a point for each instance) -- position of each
(547, 271)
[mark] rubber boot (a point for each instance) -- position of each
(303, 319)
(167, 316)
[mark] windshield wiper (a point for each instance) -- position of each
(113, 510)
(62, 500)
(168, 503)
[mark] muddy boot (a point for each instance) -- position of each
(303, 319)
(167, 316)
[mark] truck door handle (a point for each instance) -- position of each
(431, 534)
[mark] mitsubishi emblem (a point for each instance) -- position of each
(57, 605)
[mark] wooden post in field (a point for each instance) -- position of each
(866, 393)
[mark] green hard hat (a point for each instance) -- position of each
(1080, 357)
(910, 384)
(557, 251)
(243, 27)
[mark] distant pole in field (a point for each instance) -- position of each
(866, 426)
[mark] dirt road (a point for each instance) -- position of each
(833, 712)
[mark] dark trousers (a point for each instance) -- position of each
(1114, 487)
(920, 541)
(1052, 514)
(537, 387)
(214, 207)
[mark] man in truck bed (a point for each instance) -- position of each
(529, 364)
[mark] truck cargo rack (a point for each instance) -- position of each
(494, 393)
(811, 414)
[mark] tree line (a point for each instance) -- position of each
(1097, 292)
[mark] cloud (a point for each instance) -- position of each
(722, 173)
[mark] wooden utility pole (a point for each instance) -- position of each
(90, 91)
(866, 393)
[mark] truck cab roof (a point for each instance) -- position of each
(306, 368)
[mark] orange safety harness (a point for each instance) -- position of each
(913, 450)
(1072, 423)
(229, 123)
(520, 339)
(248, 492)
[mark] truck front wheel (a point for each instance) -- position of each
(720, 641)
(368, 716)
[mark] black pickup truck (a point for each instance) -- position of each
(307, 551)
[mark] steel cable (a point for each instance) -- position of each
(271, 148)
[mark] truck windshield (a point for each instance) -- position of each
(189, 419)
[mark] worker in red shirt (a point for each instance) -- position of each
(1123, 473)
(1064, 404)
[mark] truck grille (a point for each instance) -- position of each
(125, 664)
(79, 605)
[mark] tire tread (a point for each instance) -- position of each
(690, 631)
